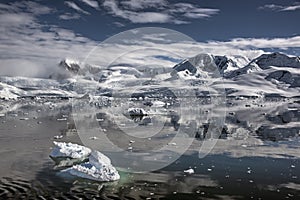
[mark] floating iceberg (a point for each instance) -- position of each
(94, 165)
(98, 168)
(158, 104)
(67, 154)
(189, 171)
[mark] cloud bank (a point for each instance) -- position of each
(139, 11)
(281, 8)
(30, 48)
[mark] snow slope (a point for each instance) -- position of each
(268, 74)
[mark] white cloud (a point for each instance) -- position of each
(149, 17)
(14, 19)
(76, 7)
(29, 48)
(136, 17)
(291, 8)
(245, 43)
(119, 24)
(137, 11)
(191, 11)
(91, 3)
(32, 7)
(281, 8)
(69, 16)
(138, 4)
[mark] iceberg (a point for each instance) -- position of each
(67, 154)
(84, 162)
(99, 168)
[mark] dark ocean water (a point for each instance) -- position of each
(262, 163)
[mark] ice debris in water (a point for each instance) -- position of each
(158, 104)
(136, 112)
(98, 168)
(189, 171)
(94, 165)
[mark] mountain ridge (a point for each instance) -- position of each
(274, 73)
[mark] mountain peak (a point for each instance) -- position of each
(70, 65)
(277, 59)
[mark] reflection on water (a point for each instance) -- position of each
(257, 155)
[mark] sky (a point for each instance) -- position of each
(36, 35)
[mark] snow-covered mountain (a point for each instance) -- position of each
(268, 74)
(227, 64)
(277, 59)
(68, 68)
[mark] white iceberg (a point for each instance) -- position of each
(158, 104)
(189, 171)
(67, 154)
(99, 168)
(94, 165)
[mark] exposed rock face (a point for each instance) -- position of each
(70, 65)
(277, 59)
(281, 75)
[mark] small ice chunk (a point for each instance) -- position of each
(98, 168)
(209, 169)
(58, 136)
(69, 150)
(158, 104)
(25, 118)
(61, 119)
(136, 112)
(189, 171)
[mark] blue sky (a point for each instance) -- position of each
(35, 33)
(202, 20)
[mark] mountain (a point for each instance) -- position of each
(269, 74)
(70, 65)
(68, 68)
(277, 59)
(227, 64)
